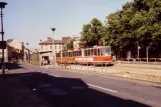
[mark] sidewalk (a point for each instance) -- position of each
(134, 72)
(148, 66)
(15, 93)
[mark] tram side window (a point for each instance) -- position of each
(68, 54)
(92, 52)
(57, 55)
(89, 52)
(65, 54)
(101, 51)
(80, 53)
(98, 51)
(75, 53)
(95, 52)
(85, 53)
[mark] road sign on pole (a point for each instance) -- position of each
(3, 45)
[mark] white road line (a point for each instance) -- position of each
(102, 88)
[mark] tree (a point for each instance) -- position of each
(92, 33)
(69, 45)
(138, 22)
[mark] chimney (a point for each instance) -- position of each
(49, 38)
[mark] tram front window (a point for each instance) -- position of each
(106, 51)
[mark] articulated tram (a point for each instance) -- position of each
(92, 56)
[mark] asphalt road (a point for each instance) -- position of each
(71, 89)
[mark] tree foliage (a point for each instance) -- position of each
(138, 22)
(69, 45)
(92, 32)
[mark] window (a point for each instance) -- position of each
(55, 47)
(41, 47)
(50, 47)
(59, 46)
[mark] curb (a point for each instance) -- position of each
(107, 74)
(104, 74)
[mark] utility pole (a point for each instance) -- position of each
(3, 43)
(53, 50)
(147, 54)
(28, 52)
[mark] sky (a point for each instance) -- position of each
(31, 20)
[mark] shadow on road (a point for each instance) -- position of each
(65, 92)
(11, 66)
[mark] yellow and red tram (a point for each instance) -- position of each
(96, 55)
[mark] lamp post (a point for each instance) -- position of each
(2, 5)
(147, 53)
(53, 50)
(28, 52)
(138, 48)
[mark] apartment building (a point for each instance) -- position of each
(47, 45)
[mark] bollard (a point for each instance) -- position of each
(102, 68)
(81, 67)
(106, 68)
(94, 67)
(122, 67)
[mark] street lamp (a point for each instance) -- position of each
(28, 52)
(147, 53)
(53, 50)
(138, 48)
(2, 5)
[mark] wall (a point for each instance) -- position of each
(46, 47)
(35, 59)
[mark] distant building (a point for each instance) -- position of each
(47, 45)
(76, 43)
(65, 40)
(14, 50)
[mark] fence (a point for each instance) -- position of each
(139, 61)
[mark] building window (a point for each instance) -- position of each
(55, 47)
(41, 47)
(50, 47)
(59, 46)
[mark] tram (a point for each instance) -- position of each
(92, 56)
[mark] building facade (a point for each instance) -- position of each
(47, 47)
(50, 44)
(76, 43)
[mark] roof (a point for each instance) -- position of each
(9, 41)
(15, 44)
(65, 39)
(58, 41)
(50, 41)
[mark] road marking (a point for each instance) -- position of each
(102, 88)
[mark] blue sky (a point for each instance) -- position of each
(31, 20)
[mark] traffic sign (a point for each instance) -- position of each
(3, 45)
